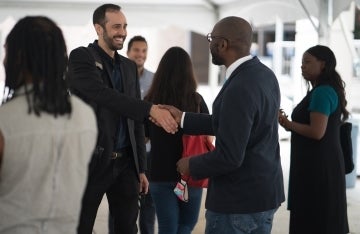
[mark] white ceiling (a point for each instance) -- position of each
(185, 13)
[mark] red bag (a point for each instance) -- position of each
(195, 145)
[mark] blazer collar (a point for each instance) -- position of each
(237, 69)
(235, 64)
(103, 54)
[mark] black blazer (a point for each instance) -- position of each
(89, 78)
(245, 168)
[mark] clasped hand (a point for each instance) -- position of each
(163, 118)
(171, 119)
(283, 119)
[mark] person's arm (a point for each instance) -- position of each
(192, 123)
(315, 129)
(205, 109)
(323, 102)
(84, 78)
(2, 142)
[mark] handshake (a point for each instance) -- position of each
(166, 116)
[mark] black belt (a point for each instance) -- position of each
(121, 153)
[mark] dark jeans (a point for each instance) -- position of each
(254, 223)
(118, 180)
(175, 216)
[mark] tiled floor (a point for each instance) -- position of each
(281, 220)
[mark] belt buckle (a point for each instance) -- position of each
(115, 155)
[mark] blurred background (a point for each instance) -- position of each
(283, 30)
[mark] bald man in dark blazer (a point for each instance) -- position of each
(246, 182)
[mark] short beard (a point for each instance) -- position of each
(109, 43)
(216, 60)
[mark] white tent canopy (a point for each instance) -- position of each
(189, 14)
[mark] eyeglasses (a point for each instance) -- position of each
(209, 37)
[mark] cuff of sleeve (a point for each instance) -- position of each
(182, 120)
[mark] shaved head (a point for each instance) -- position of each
(231, 40)
(235, 29)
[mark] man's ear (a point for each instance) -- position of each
(224, 44)
(98, 29)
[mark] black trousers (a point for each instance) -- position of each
(147, 207)
(146, 216)
(120, 183)
(147, 212)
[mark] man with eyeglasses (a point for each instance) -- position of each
(246, 181)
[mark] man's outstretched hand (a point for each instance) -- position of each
(163, 118)
(175, 112)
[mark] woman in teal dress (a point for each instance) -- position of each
(317, 189)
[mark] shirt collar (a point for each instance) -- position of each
(235, 64)
(104, 55)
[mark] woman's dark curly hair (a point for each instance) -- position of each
(36, 59)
